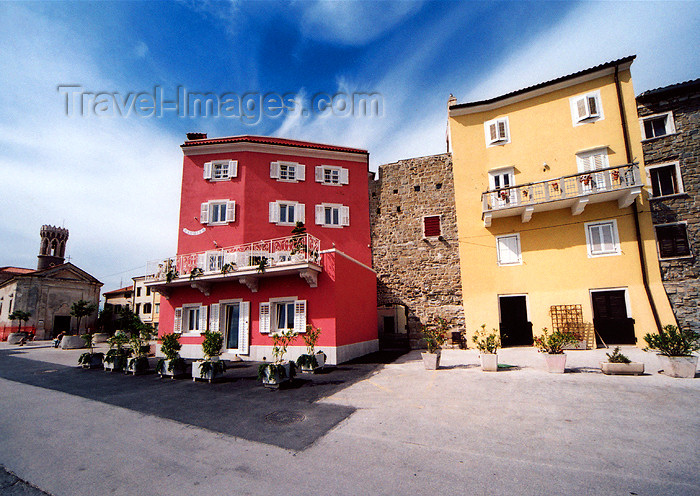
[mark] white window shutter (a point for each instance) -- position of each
(265, 318)
(244, 328)
(319, 174)
(204, 213)
(202, 318)
(300, 172)
(299, 213)
(230, 211)
(207, 170)
(300, 316)
(344, 216)
(274, 212)
(508, 251)
(581, 108)
(202, 260)
(233, 168)
(319, 215)
(344, 176)
(274, 170)
(493, 132)
(229, 257)
(214, 317)
(177, 322)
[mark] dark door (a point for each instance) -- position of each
(610, 317)
(516, 330)
(389, 324)
(61, 323)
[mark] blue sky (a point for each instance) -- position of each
(113, 180)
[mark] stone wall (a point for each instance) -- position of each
(420, 273)
(680, 275)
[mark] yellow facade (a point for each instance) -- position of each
(555, 267)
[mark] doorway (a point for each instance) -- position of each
(232, 325)
(610, 317)
(61, 323)
(516, 329)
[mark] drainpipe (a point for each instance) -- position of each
(635, 212)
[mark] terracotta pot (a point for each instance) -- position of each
(556, 362)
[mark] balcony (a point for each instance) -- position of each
(246, 263)
(622, 183)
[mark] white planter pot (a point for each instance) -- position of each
(197, 371)
(100, 337)
(556, 362)
(320, 362)
(16, 337)
(489, 362)
(431, 361)
(72, 343)
(275, 380)
(633, 368)
(95, 361)
(137, 366)
(178, 369)
(679, 366)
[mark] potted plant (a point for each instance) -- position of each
(434, 337)
(298, 252)
(619, 364)
(138, 363)
(551, 345)
(279, 372)
(312, 361)
(675, 350)
(196, 272)
(90, 359)
(488, 344)
(211, 366)
(115, 359)
(173, 364)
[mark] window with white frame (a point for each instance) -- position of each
(654, 126)
(220, 170)
(602, 239)
(331, 174)
(665, 179)
(190, 319)
(501, 182)
(214, 261)
(589, 161)
(586, 108)
(672, 240)
(287, 171)
(286, 213)
(508, 250)
(283, 314)
(497, 131)
(217, 212)
(332, 215)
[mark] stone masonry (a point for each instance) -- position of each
(680, 275)
(420, 273)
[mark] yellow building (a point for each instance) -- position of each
(552, 214)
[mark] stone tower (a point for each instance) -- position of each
(53, 246)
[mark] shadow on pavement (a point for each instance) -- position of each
(237, 405)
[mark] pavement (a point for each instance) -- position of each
(382, 425)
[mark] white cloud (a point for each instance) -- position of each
(141, 50)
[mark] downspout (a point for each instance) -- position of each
(635, 212)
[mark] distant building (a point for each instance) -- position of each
(48, 292)
(669, 120)
(118, 299)
(145, 302)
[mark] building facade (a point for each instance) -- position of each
(241, 266)
(145, 302)
(415, 248)
(554, 219)
(669, 120)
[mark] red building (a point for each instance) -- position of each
(240, 270)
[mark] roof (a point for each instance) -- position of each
(125, 289)
(268, 140)
(54, 271)
(563, 79)
(16, 270)
(673, 89)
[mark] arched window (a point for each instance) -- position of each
(54, 248)
(62, 249)
(45, 247)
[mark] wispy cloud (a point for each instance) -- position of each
(141, 50)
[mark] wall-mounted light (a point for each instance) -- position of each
(545, 167)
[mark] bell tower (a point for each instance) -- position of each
(53, 246)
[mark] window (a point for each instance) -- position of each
(157, 308)
(138, 291)
(502, 179)
(657, 125)
(138, 309)
(286, 213)
(220, 170)
(331, 174)
(148, 291)
(283, 314)
(332, 215)
(214, 261)
(218, 212)
(665, 179)
(497, 132)
(431, 226)
(191, 318)
(672, 240)
(602, 239)
(592, 160)
(287, 171)
(147, 308)
(586, 108)
(508, 250)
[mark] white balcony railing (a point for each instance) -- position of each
(622, 183)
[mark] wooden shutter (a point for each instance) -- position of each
(230, 211)
(300, 316)
(274, 212)
(319, 173)
(319, 215)
(204, 213)
(177, 322)
(508, 250)
(233, 168)
(264, 318)
(207, 170)
(244, 328)
(581, 109)
(344, 176)
(274, 170)
(431, 226)
(502, 131)
(344, 216)
(592, 106)
(214, 318)
(299, 212)
(493, 132)
(300, 172)
(673, 241)
(202, 318)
